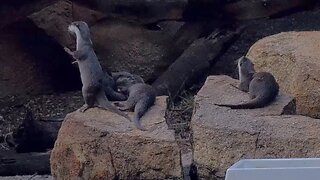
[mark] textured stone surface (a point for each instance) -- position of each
(55, 19)
(18, 70)
(32, 62)
(29, 177)
(294, 59)
(245, 9)
(257, 29)
(143, 11)
(119, 45)
(123, 46)
(222, 136)
(102, 145)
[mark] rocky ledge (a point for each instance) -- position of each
(99, 144)
(222, 136)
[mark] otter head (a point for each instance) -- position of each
(246, 67)
(81, 30)
(123, 84)
(125, 80)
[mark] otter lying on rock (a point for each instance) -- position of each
(262, 86)
(141, 96)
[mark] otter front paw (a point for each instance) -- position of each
(84, 108)
(67, 50)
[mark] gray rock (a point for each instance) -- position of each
(54, 19)
(293, 59)
(143, 11)
(222, 136)
(32, 62)
(123, 46)
(102, 145)
(244, 9)
(258, 29)
(29, 177)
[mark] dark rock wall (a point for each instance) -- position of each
(33, 62)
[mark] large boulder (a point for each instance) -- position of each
(99, 144)
(28, 177)
(251, 9)
(144, 11)
(13, 10)
(222, 136)
(257, 29)
(294, 59)
(32, 57)
(32, 62)
(54, 19)
(18, 70)
(119, 45)
(123, 46)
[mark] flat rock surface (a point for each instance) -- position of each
(29, 177)
(222, 136)
(294, 59)
(100, 144)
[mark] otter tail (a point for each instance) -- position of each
(140, 109)
(137, 123)
(258, 102)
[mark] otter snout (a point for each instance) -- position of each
(72, 29)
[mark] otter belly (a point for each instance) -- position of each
(91, 73)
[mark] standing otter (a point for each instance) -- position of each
(141, 96)
(262, 86)
(93, 79)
